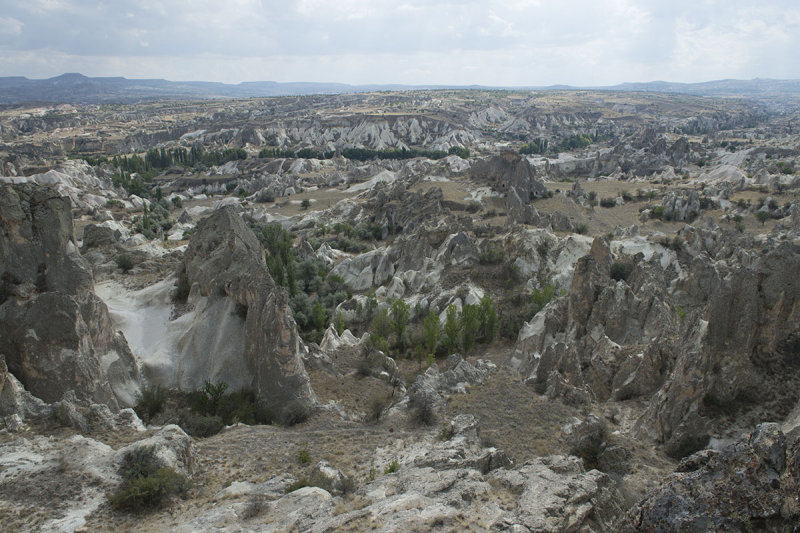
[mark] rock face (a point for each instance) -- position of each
(749, 486)
(224, 266)
(698, 333)
(56, 333)
(508, 171)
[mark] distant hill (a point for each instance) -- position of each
(77, 88)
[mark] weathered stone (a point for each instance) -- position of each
(224, 264)
(56, 332)
(745, 486)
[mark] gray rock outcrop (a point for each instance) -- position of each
(224, 266)
(56, 332)
(749, 486)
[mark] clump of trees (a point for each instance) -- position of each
(314, 292)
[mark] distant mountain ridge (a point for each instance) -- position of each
(77, 88)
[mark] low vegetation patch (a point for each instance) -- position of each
(145, 485)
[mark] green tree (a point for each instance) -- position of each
(488, 318)
(318, 316)
(305, 204)
(400, 314)
(431, 331)
(381, 326)
(469, 326)
(452, 328)
(762, 216)
(340, 325)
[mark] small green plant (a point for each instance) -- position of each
(305, 204)
(145, 485)
(445, 433)
(303, 456)
(340, 324)
(762, 217)
(543, 248)
(581, 228)
(393, 467)
(299, 484)
(681, 313)
(375, 408)
(151, 402)
(124, 262)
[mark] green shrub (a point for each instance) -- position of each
(581, 228)
(295, 412)
(543, 248)
(303, 456)
(375, 408)
(200, 426)
(149, 492)
(299, 484)
(145, 485)
(422, 408)
(400, 315)
(125, 262)
(139, 462)
(393, 467)
(488, 319)
(493, 255)
(151, 402)
(657, 212)
(542, 296)
(452, 328)
(608, 202)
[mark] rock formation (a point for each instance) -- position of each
(56, 333)
(240, 311)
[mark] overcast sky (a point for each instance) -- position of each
(514, 42)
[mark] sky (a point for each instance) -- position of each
(454, 42)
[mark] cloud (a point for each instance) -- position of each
(586, 42)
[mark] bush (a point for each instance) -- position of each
(608, 202)
(393, 467)
(422, 408)
(303, 456)
(125, 262)
(295, 412)
(149, 492)
(657, 212)
(200, 426)
(151, 402)
(375, 408)
(299, 484)
(581, 228)
(145, 486)
(493, 256)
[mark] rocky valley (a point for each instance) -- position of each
(432, 310)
